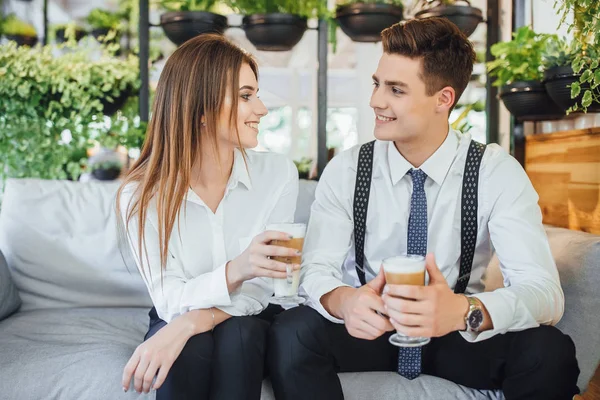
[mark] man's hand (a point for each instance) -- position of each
(427, 311)
(358, 308)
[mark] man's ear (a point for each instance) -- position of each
(445, 99)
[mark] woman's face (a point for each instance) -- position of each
(250, 110)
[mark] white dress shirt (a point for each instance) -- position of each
(509, 220)
(202, 242)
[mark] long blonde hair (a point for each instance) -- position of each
(192, 85)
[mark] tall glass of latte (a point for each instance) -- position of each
(286, 290)
(405, 270)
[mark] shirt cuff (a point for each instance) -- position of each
(316, 291)
(501, 314)
(219, 293)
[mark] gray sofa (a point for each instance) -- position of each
(84, 311)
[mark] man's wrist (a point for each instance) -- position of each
(332, 301)
(461, 323)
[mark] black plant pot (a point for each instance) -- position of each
(23, 40)
(98, 32)
(109, 174)
(110, 108)
(364, 22)
(529, 101)
(558, 81)
(60, 35)
(274, 32)
(465, 17)
(181, 26)
(302, 175)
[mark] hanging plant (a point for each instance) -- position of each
(563, 84)
(460, 12)
(586, 29)
(186, 19)
(276, 25)
(19, 31)
(518, 69)
(364, 20)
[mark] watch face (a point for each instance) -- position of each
(475, 319)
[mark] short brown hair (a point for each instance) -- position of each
(447, 54)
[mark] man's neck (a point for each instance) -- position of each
(417, 151)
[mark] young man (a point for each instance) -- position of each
(432, 190)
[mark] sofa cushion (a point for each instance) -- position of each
(9, 296)
(306, 196)
(577, 256)
(61, 244)
(391, 386)
(69, 354)
(79, 353)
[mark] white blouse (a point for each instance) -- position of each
(202, 242)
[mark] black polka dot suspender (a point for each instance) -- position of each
(362, 188)
(468, 209)
(468, 214)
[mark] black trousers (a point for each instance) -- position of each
(227, 363)
(306, 351)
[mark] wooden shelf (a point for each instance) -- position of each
(564, 168)
(543, 137)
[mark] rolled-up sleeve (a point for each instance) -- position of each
(255, 293)
(328, 238)
(532, 294)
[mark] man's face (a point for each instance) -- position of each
(403, 110)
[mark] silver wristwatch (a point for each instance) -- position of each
(474, 317)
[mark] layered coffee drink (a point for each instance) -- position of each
(286, 290)
(405, 270)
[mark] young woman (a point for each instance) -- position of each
(194, 208)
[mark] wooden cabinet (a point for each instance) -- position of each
(564, 168)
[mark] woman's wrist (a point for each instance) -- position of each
(231, 275)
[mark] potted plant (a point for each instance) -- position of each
(64, 31)
(19, 31)
(108, 170)
(102, 21)
(304, 165)
(585, 92)
(566, 87)
(364, 20)
(189, 18)
(275, 25)
(460, 12)
(518, 70)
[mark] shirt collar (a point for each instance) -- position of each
(436, 167)
(239, 174)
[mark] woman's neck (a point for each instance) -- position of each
(213, 168)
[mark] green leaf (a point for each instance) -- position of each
(597, 78)
(587, 76)
(575, 89)
(587, 99)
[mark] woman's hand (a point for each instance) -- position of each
(158, 353)
(255, 260)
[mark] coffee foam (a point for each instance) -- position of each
(404, 265)
(296, 230)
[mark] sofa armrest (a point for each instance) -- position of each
(9, 295)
